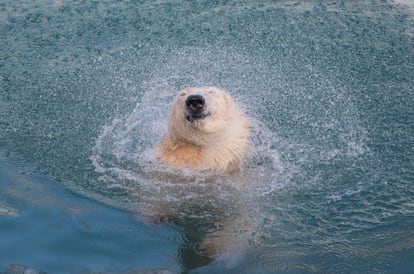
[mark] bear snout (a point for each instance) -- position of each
(195, 105)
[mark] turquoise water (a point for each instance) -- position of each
(85, 87)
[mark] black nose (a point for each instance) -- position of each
(195, 103)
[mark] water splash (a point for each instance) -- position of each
(125, 158)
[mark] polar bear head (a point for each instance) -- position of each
(206, 131)
(200, 113)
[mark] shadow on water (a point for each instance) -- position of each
(85, 88)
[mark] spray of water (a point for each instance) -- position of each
(125, 158)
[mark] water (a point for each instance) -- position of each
(85, 90)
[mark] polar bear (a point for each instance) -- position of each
(207, 131)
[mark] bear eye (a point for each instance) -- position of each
(211, 91)
(182, 94)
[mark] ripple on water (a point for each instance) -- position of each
(126, 161)
(324, 84)
(301, 209)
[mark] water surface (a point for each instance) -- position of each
(85, 88)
